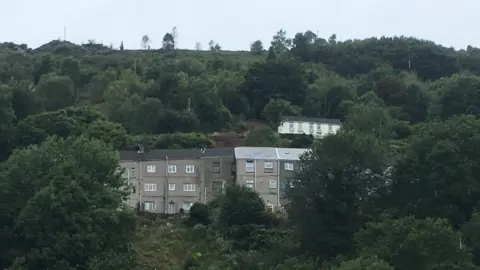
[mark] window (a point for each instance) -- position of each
(300, 127)
(149, 206)
(190, 169)
(310, 128)
(319, 132)
(187, 205)
(330, 128)
(216, 167)
(289, 166)
(132, 173)
(250, 166)
(249, 184)
(150, 168)
(188, 187)
(171, 187)
(291, 127)
(150, 187)
(272, 184)
(217, 187)
(172, 168)
(268, 167)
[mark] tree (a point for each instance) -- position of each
(146, 41)
(198, 46)
(214, 46)
(256, 47)
(7, 118)
(76, 187)
(111, 133)
(55, 92)
(436, 175)
(456, 95)
(335, 191)
(274, 80)
(280, 42)
(265, 137)
(364, 263)
(121, 46)
(409, 242)
(276, 109)
(168, 42)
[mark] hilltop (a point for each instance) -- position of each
(395, 188)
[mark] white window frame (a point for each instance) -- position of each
(291, 126)
(150, 206)
(189, 168)
(268, 165)
(150, 187)
(288, 166)
(187, 208)
(151, 168)
(172, 168)
(272, 184)
(250, 166)
(249, 183)
(171, 187)
(189, 187)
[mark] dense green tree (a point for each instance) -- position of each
(56, 92)
(274, 80)
(256, 47)
(276, 109)
(332, 194)
(408, 243)
(69, 187)
(436, 175)
(456, 95)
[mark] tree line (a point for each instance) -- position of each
(396, 188)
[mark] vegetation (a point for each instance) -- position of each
(396, 188)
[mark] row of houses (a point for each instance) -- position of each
(168, 180)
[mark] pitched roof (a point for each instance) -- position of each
(162, 154)
(269, 153)
(311, 119)
(255, 153)
(290, 153)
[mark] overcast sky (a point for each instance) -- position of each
(235, 24)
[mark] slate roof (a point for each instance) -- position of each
(162, 154)
(311, 119)
(267, 153)
(290, 153)
(255, 153)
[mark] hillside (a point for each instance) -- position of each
(396, 188)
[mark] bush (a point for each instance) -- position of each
(199, 214)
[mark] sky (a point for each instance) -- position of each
(236, 24)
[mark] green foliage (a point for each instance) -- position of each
(407, 148)
(199, 214)
(408, 243)
(263, 136)
(442, 158)
(364, 263)
(69, 187)
(334, 191)
(276, 109)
